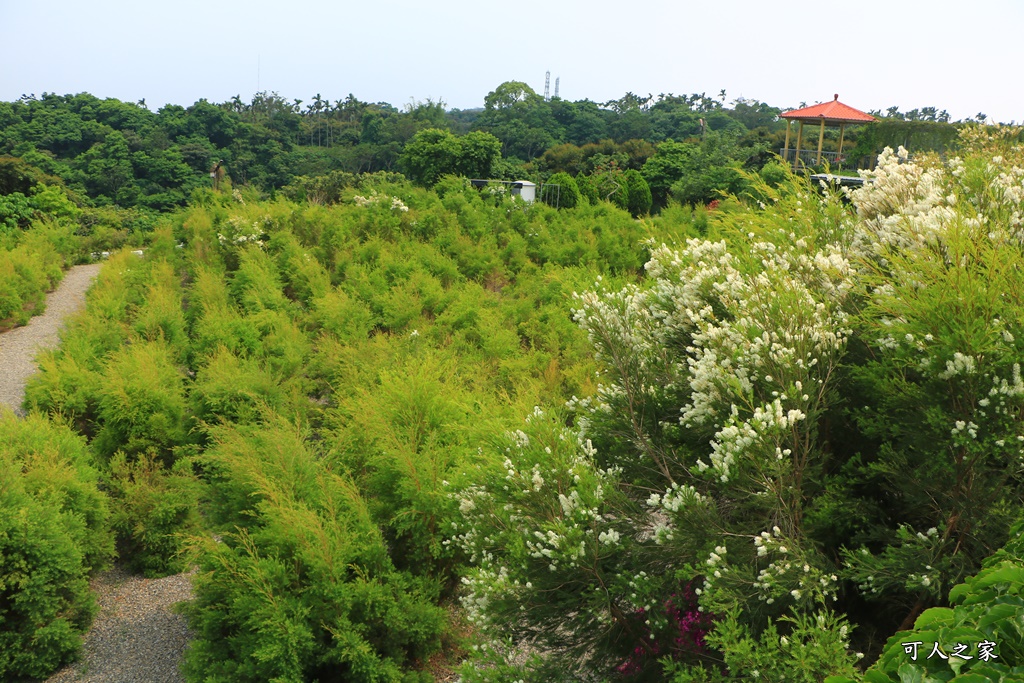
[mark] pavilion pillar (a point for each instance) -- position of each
(842, 131)
(821, 139)
(785, 150)
(799, 141)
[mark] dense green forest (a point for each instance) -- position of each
(684, 147)
(408, 428)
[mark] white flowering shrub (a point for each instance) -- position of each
(807, 428)
(543, 532)
(935, 388)
(394, 203)
(238, 231)
(715, 376)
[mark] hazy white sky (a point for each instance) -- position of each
(960, 56)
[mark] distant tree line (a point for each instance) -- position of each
(687, 147)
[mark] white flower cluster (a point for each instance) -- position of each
(902, 205)
(959, 426)
(769, 423)
(513, 527)
(959, 365)
(485, 585)
(374, 198)
(675, 498)
(751, 334)
(616, 322)
(1015, 388)
(639, 590)
(242, 232)
(788, 574)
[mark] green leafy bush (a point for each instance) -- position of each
(588, 190)
(706, 185)
(639, 193)
(986, 614)
(154, 510)
(53, 532)
(566, 195)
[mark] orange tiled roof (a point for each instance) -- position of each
(834, 111)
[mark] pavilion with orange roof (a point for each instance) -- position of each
(827, 113)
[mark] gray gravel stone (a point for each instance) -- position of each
(136, 638)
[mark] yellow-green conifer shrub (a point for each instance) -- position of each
(67, 384)
(154, 510)
(401, 437)
(303, 276)
(300, 587)
(31, 264)
(54, 530)
(256, 284)
(160, 317)
(141, 403)
(237, 390)
(343, 316)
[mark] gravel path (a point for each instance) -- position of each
(18, 347)
(135, 638)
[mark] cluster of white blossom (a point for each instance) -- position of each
(243, 232)
(676, 498)
(374, 198)
(543, 513)
(902, 205)
(616, 322)
(788, 573)
(960, 364)
(759, 336)
(751, 335)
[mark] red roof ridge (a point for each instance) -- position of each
(830, 111)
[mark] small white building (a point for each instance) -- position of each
(525, 189)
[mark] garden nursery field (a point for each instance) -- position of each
(414, 430)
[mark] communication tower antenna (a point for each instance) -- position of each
(547, 84)
(557, 78)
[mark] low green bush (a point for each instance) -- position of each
(566, 195)
(154, 510)
(303, 588)
(141, 403)
(986, 615)
(54, 530)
